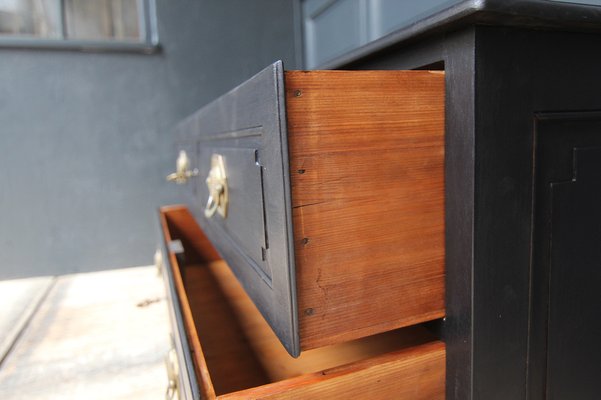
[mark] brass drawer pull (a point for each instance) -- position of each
(158, 261)
(172, 375)
(217, 184)
(182, 171)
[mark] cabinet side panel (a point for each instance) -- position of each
(366, 155)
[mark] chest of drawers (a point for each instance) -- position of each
(521, 144)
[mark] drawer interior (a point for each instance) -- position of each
(236, 353)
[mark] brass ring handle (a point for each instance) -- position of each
(211, 207)
(218, 191)
(182, 171)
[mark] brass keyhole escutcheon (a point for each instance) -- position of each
(218, 191)
(182, 169)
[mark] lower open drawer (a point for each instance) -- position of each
(236, 355)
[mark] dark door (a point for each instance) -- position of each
(565, 334)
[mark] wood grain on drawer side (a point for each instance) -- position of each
(366, 153)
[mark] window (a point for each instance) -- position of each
(332, 28)
(78, 23)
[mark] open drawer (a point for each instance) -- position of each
(324, 192)
(234, 354)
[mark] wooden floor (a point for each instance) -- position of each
(99, 335)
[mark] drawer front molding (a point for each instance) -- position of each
(256, 236)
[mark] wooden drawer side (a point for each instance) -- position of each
(413, 374)
(366, 153)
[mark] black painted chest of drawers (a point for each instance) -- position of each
(521, 159)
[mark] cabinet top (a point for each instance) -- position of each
(559, 15)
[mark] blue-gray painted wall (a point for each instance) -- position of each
(85, 138)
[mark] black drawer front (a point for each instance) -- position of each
(244, 225)
(247, 128)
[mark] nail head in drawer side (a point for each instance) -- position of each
(337, 228)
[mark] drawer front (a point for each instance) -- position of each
(247, 128)
(187, 386)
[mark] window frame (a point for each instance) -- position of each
(148, 42)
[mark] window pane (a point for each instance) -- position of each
(102, 19)
(39, 18)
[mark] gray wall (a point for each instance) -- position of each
(85, 138)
